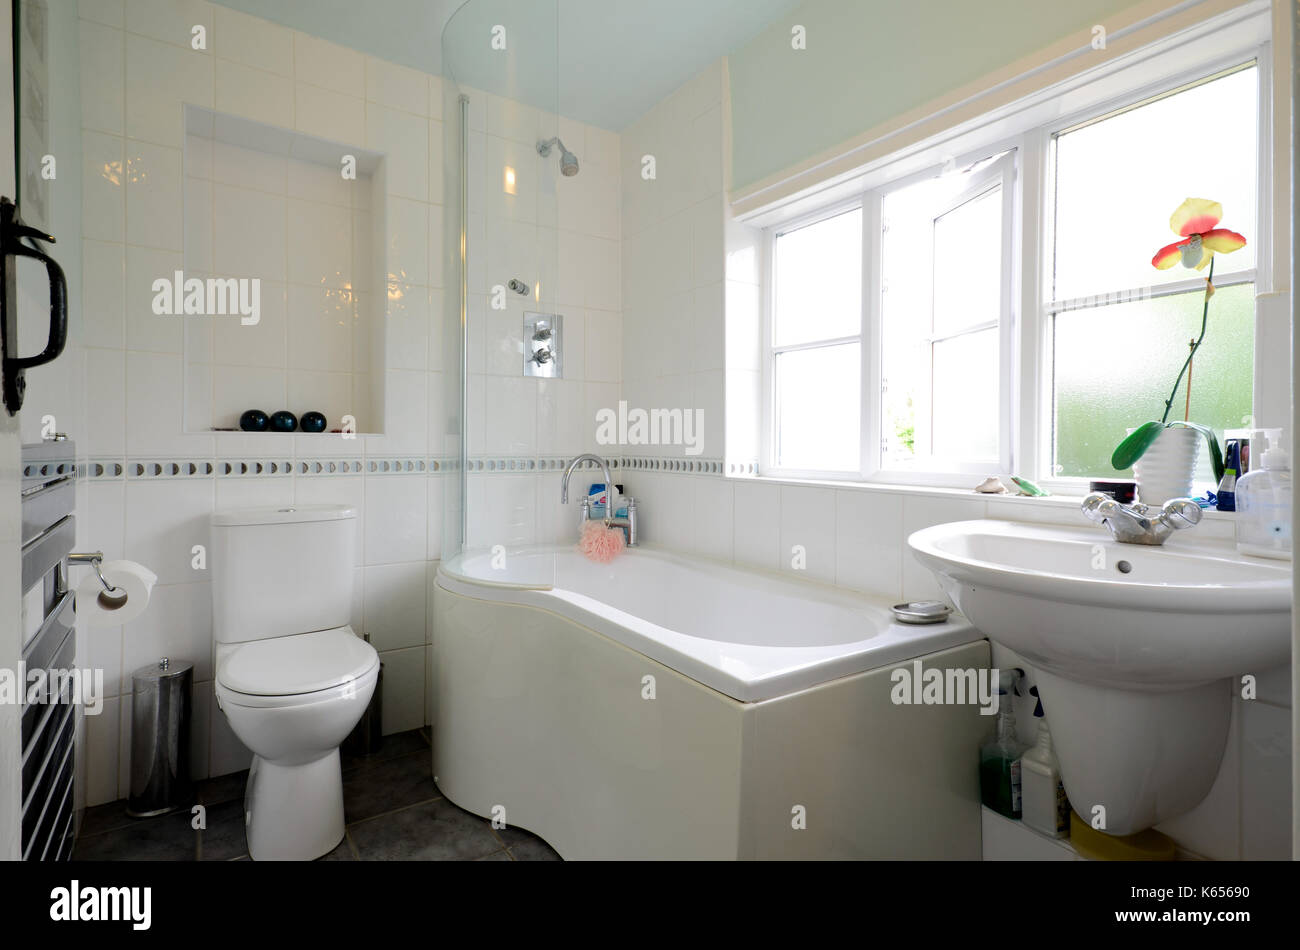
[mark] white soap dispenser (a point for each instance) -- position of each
(1264, 503)
(1042, 793)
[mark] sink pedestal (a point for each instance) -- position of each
(1142, 756)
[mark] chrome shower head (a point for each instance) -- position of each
(568, 161)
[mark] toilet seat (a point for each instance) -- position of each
(299, 669)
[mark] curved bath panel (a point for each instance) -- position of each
(587, 725)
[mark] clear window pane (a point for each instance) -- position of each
(1115, 367)
(965, 410)
(818, 281)
(1119, 179)
(968, 264)
(817, 399)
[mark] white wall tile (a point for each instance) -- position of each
(249, 233)
(403, 138)
(160, 78)
(329, 115)
(1266, 750)
(102, 741)
(396, 520)
(146, 330)
(251, 41)
(103, 187)
(329, 65)
(106, 413)
(164, 520)
(868, 542)
(397, 86)
(757, 530)
(154, 195)
(808, 521)
(168, 20)
(108, 12)
(713, 517)
(394, 604)
(403, 704)
(254, 94)
(103, 91)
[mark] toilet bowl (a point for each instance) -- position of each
(292, 677)
(292, 701)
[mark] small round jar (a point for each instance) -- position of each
(312, 421)
(254, 420)
(284, 421)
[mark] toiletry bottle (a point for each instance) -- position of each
(1226, 496)
(1042, 793)
(1000, 756)
(597, 497)
(1264, 503)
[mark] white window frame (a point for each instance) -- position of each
(1002, 172)
(771, 350)
(1027, 380)
(1042, 446)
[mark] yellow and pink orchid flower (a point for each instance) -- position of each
(1194, 222)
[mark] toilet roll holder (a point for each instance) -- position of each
(95, 559)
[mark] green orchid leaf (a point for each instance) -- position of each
(1136, 445)
(1212, 440)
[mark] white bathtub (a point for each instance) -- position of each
(670, 707)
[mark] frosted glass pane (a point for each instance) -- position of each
(817, 399)
(819, 281)
(968, 264)
(1119, 180)
(965, 411)
(1114, 367)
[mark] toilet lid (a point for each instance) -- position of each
(303, 663)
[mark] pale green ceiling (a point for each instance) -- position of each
(605, 62)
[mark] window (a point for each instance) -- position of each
(997, 312)
(815, 348)
(1115, 321)
(945, 252)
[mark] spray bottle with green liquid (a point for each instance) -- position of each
(1000, 756)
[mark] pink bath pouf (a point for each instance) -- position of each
(601, 543)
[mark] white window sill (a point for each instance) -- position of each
(1061, 503)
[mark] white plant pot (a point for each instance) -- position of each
(1165, 470)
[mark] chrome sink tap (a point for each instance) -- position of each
(1141, 524)
(588, 512)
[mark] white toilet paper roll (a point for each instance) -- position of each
(134, 583)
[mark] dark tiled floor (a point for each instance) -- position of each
(393, 810)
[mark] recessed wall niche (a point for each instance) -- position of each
(284, 232)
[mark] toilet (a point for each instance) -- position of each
(292, 677)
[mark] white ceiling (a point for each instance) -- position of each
(605, 62)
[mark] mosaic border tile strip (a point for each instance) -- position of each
(154, 468)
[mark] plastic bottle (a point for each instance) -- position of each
(1044, 805)
(1264, 503)
(1226, 495)
(1000, 756)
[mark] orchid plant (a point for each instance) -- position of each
(1196, 224)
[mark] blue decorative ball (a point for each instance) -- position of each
(312, 422)
(284, 421)
(254, 420)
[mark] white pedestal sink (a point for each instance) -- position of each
(1136, 648)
